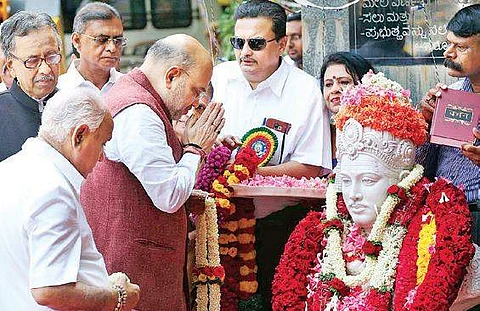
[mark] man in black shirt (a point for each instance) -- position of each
(31, 44)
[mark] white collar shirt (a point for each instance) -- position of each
(139, 141)
(289, 61)
(73, 79)
(45, 240)
(289, 95)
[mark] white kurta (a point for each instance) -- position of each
(45, 239)
(139, 141)
(289, 95)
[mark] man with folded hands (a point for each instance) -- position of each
(134, 199)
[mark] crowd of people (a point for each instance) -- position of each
(96, 166)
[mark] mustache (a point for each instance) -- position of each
(452, 65)
(42, 78)
(243, 58)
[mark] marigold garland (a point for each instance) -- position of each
(445, 270)
(236, 228)
(426, 244)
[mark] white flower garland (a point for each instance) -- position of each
(385, 271)
(381, 272)
(207, 254)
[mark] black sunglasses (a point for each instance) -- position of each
(256, 44)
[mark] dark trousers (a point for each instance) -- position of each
(271, 235)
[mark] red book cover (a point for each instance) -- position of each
(456, 114)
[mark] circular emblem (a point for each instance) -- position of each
(261, 140)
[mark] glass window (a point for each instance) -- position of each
(133, 13)
(171, 13)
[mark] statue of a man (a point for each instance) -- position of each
(389, 239)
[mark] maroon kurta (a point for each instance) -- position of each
(131, 233)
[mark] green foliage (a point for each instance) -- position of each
(226, 27)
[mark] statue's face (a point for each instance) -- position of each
(365, 181)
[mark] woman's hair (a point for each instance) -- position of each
(355, 64)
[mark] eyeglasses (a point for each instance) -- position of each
(103, 40)
(256, 44)
(36, 61)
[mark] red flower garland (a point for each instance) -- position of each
(235, 257)
(453, 252)
(208, 275)
(447, 265)
(338, 286)
(289, 285)
(400, 192)
(372, 248)
(332, 224)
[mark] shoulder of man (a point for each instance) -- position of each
(6, 98)
(301, 81)
(224, 73)
(230, 68)
(115, 75)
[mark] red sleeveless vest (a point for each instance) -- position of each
(131, 233)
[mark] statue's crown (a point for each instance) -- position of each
(395, 153)
(382, 105)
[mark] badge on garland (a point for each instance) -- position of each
(261, 140)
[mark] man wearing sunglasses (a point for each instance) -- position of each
(31, 44)
(98, 37)
(260, 86)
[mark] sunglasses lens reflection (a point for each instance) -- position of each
(237, 43)
(256, 44)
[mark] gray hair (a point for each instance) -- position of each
(92, 12)
(21, 24)
(170, 55)
(67, 110)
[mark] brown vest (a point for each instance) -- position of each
(131, 233)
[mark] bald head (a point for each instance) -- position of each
(178, 50)
(179, 68)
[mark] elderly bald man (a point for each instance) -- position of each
(134, 199)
